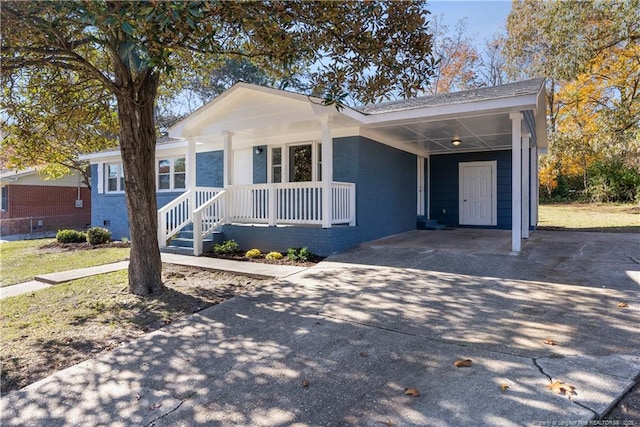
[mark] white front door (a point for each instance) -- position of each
(478, 193)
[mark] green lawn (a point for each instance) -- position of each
(48, 330)
(606, 217)
(22, 260)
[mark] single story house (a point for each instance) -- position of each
(273, 169)
(33, 203)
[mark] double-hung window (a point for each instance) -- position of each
(115, 177)
(171, 174)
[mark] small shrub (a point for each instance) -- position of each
(98, 236)
(125, 241)
(252, 253)
(300, 254)
(226, 247)
(274, 255)
(70, 236)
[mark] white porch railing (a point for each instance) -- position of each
(178, 213)
(291, 203)
(209, 216)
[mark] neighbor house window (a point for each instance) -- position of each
(5, 204)
(115, 177)
(171, 174)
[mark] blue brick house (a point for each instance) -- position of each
(273, 169)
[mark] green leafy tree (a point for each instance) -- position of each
(77, 121)
(368, 49)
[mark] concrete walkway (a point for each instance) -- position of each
(338, 344)
(252, 269)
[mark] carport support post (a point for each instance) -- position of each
(535, 185)
(516, 181)
(525, 185)
(327, 172)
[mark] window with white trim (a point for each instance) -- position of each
(114, 177)
(171, 174)
(276, 164)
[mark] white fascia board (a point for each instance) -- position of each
(516, 103)
(114, 155)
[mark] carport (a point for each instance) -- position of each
(477, 153)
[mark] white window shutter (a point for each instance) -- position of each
(100, 178)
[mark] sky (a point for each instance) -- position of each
(484, 18)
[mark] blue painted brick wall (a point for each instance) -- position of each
(260, 165)
(113, 208)
(385, 181)
(445, 185)
(209, 172)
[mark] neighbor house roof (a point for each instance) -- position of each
(527, 87)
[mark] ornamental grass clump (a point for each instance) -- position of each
(274, 255)
(253, 253)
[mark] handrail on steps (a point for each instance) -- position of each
(207, 214)
(163, 232)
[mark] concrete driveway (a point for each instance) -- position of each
(339, 343)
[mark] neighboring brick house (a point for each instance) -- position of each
(31, 203)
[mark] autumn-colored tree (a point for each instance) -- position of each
(457, 59)
(588, 50)
(125, 48)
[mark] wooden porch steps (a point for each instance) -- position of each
(182, 243)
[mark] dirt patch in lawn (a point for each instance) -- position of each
(52, 329)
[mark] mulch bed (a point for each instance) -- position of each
(66, 247)
(239, 256)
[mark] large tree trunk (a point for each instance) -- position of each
(137, 144)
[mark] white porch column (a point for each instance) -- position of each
(516, 181)
(191, 172)
(525, 185)
(327, 172)
(227, 158)
(227, 162)
(535, 185)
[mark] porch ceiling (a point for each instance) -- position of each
(434, 136)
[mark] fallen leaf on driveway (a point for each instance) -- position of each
(562, 388)
(155, 406)
(364, 354)
(462, 363)
(413, 392)
(504, 387)
(550, 342)
(623, 305)
(305, 383)
(387, 423)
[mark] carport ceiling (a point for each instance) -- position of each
(486, 132)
